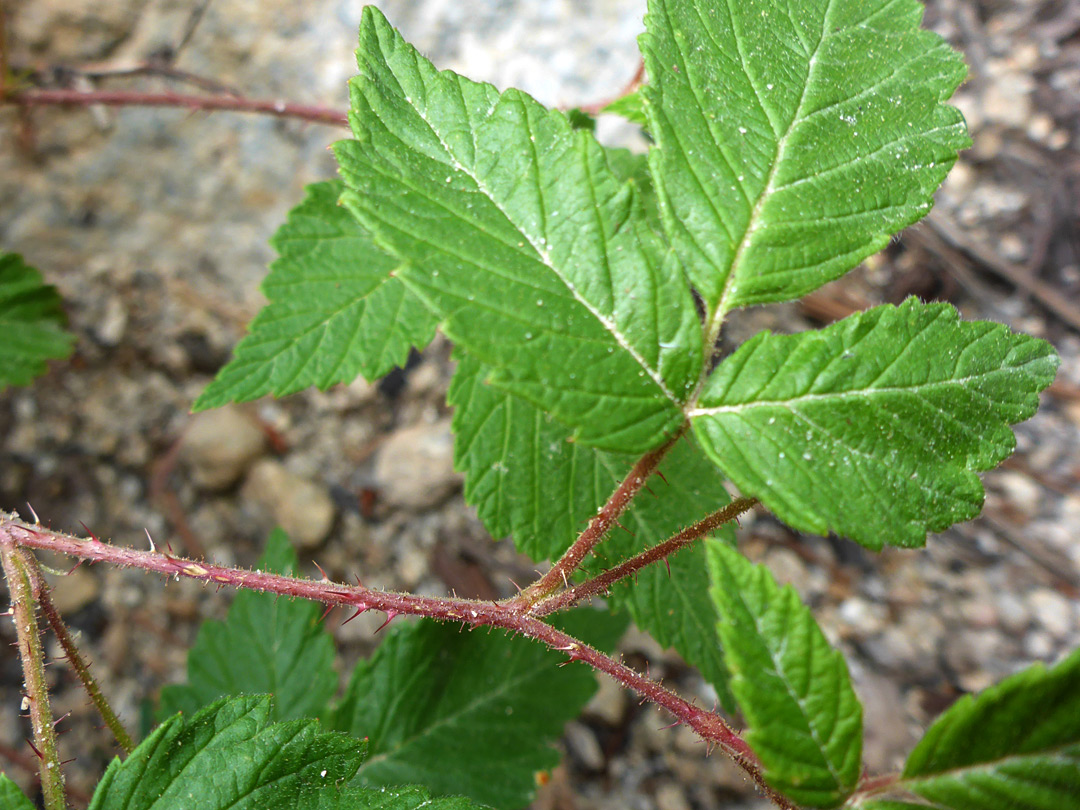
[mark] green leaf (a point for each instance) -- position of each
(631, 107)
(1015, 745)
(229, 755)
(11, 798)
(409, 798)
(805, 722)
(633, 168)
(513, 228)
(266, 645)
(527, 480)
(793, 137)
(31, 321)
(335, 310)
(471, 713)
(876, 426)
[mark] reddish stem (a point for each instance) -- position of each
(560, 572)
(123, 98)
(602, 583)
(711, 727)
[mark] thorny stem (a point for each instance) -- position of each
(708, 725)
(78, 663)
(608, 516)
(17, 573)
(124, 98)
(603, 582)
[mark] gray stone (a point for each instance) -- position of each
(888, 737)
(219, 445)
(1013, 614)
(1053, 612)
(415, 467)
(1022, 493)
(583, 746)
(609, 702)
(75, 591)
(670, 796)
(301, 507)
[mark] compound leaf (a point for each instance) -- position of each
(804, 720)
(527, 480)
(266, 644)
(229, 755)
(1015, 745)
(11, 798)
(31, 321)
(876, 426)
(335, 310)
(793, 137)
(471, 713)
(514, 229)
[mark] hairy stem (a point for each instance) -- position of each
(17, 572)
(708, 725)
(124, 98)
(78, 663)
(602, 583)
(608, 516)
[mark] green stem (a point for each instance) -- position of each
(17, 572)
(78, 663)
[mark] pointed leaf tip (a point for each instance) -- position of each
(336, 310)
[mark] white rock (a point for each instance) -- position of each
(583, 746)
(415, 467)
(75, 591)
(302, 508)
(220, 445)
(888, 737)
(609, 702)
(1012, 612)
(1053, 612)
(670, 796)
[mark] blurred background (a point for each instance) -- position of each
(153, 224)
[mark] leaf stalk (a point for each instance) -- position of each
(74, 657)
(602, 522)
(602, 583)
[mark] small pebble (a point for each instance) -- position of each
(415, 466)
(302, 508)
(1053, 612)
(219, 445)
(582, 745)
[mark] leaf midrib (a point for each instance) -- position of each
(839, 395)
(541, 252)
(716, 319)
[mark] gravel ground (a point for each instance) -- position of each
(154, 225)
